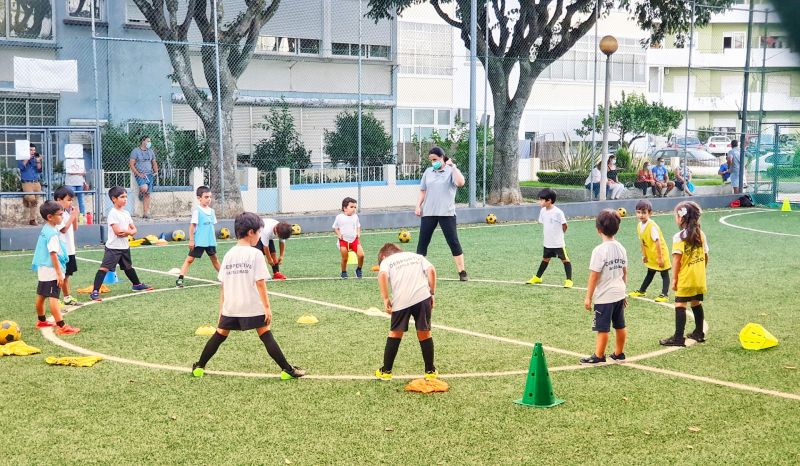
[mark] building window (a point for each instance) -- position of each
(367, 51)
(443, 117)
(422, 123)
(287, 45)
(133, 15)
(733, 40)
(81, 9)
(24, 112)
(771, 42)
(29, 19)
(427, 49)
(628, 64)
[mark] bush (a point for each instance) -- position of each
(118, 140)
(571, 178)
(623, 157)
(283, 147)
(456, 146)
(341, 145)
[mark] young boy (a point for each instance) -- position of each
(49, 258)
(412, 280)
(608, 272)
(654, 252)
(272, 229)
(117, 251)
(555, 225)
(348, 230)
(201, 234)
(69, 223)
(244, 304)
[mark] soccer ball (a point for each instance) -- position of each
(491, 219)
(622, 212)
(296, 230)
(404, 236)
(178, 235)
(9, 331)
(224, 233)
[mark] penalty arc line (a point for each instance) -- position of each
(723, 220)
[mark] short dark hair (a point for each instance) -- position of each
(346, 202)
(202, 190)
(141, 140)
(607, 222)
(63, 192)
(644, 205)
(116, 192)
(32, 146)
(734, 143)
(387, 250)
(284, 230)
(439, 152)
(49, 208)
(659, 159)
(548, 195)
(245, 222)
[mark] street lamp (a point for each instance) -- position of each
(608, 45)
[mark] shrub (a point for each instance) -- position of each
(623, 157)
(283, 147)
(341, 145)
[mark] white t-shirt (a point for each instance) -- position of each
(74, 179)
(552, 219)
(123, 219)
(348, 226)
(45, 273)
(69, 236)
(653, 231)
(241, 268)
(408, 279)
(268, 233)
(609, 258)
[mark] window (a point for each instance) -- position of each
(133, 15)
(287, 45)
(309, 46)
(628, 64)
(367, 51)
(427, 49)
(733, 40)
(81, 9)
(24, 112)
(419, 122)
(771, 42)
(443, 117)
(423, 117)
(404, 116)
(379, 51)
(26, 19)
(655, 80)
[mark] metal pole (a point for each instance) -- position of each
(485, 95)
(604, 156)
(360, 56)
(688, 89)
(761, 103)
(473, 54)
(219, 112)
(594, 100)
(98, 176)
(742, 146)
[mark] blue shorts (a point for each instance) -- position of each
(147, 180)
(606, 314)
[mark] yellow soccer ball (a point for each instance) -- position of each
(9, 331)
(224, 233)
(491, 219)
(296, 230)
(178, 235)
(404, 236)
(622, 212)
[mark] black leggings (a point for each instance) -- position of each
(649, 279)
(448, 224)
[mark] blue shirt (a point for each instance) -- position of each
(41, 256)
(204, 232)
(660, 172)
(28, 172)
(143, 160)
(722, 169)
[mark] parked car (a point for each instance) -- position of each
(693, 157)
(786, 142)
(719, 145)
(782, 159)
(690, 142)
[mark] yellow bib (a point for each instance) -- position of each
(650, 247)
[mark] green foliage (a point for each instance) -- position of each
(569, 178)
(10, 180)
(283, 147)
(623, 157)
(704, 132)
(341, 145)
(182, 149)
(456, 146)
(578, 159)
(633, 116)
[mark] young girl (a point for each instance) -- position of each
(689, 262)
(654, 252)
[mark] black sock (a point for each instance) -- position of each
(275, 268)
(542, 268)
(60, 323)
(568, 270)
(211, 348)
(665, 282)
(648, 279)
(180, 277)
(274, 351)
(680, 322)
(390, 352)
(427, 354)
(98, 279)
(131, 274)
(42, 318)
(698, 318)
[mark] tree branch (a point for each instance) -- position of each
(447, 19)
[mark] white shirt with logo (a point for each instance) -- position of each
(408, 279)
(552, 219)
(241, 268)
(610, 259)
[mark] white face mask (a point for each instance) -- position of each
(149, 144)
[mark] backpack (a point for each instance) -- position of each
(746, 201)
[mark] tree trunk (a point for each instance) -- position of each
(223, 176)
(505, 174)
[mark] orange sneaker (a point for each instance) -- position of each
(45, 324)
(67, 330)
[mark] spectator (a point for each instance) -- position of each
(144, 167)
(682, 178)
(614, 188)
(592, 182)
(661, 174)
(645, 179)
(77, 182)
(724, 173)
(30, 172)
(734, 167)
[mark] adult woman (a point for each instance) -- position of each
(615, 188)
(437, 205)
(592, 182)
(645, 179)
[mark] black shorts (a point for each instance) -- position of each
(270, 245)
(421, 313)
(48, 289)
(197, 251)
(112, 257)
(72, 266)
(686, 299)
(241, 323)
(606, 314)
(561, 253)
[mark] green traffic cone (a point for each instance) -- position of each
(538, 389)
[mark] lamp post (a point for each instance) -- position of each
(608, 45)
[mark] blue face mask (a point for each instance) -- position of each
(437, 165)
(149, 144)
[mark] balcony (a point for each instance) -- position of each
(731, 103)
(729, 58)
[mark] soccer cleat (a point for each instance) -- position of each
(359, 274)
(295, 373)
(672, 341)
(462, 276)
(617, 357)
(431, 375)
(636, 294)
(535, 280)
(567, 283)
(343, 275)
(699, 337)
(67, 330)
(661, 298)
(380, 374)
(141, 287)
(179, 283)
(45, 324)
(95, 295)
(70, 301)
(593, 360)
(197, 370)
(279, 276)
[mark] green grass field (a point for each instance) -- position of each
(126, 413)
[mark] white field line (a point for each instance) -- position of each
(723, 220)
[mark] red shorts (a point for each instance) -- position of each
(352, 246)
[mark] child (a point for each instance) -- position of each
(201, 234)
(412, 280)
(283, 231)
(244, 304)
(117, 251)
(555, 225)
(689, 262)
(48, 259)
(69, 224)
(348, 230)
(654, 252)
(608, 273)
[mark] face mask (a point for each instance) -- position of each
(437, 165)
(149, 145)
(662, 163)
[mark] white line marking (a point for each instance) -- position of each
(723, 221)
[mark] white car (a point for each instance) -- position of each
(718, 145)
(768, 160)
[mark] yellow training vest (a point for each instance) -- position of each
(692, 276)
(650, 248)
